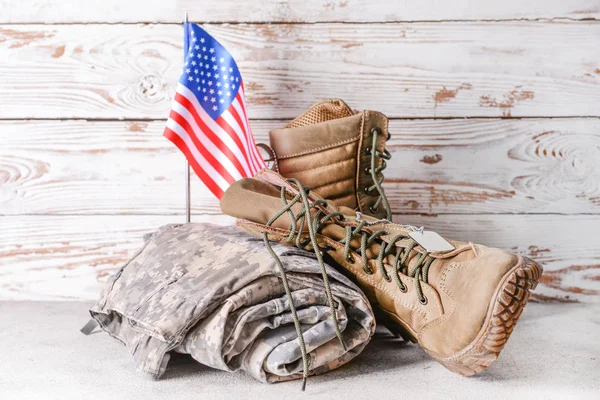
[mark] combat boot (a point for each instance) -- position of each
(338, 153)
(459, 301)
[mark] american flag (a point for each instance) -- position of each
(208, 120)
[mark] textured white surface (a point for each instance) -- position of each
(420, 69)
(554, 353)
(467, 166)
(58, 11)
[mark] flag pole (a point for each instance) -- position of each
(188, 215)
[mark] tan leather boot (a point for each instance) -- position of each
(459, 301)
(338, 153)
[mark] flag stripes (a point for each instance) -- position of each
(208, 120)
(222, 152)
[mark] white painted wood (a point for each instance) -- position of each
(437, 166)
(53, 258)
(67, 257)
(491, 166)
(76, 196)
(404, 70)
(113, 11)
(82, 167)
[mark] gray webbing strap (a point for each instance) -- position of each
(89, 327)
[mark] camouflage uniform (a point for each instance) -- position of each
(214, 293)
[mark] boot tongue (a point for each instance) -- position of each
(258, 199)
(325, 110)
(347, 211)
(272, 177)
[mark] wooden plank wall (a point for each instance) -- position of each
(495, 112)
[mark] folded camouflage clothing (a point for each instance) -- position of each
(215, 293)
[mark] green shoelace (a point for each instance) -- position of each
(374, 171)
(314, 224)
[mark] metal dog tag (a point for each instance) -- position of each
(430, 240)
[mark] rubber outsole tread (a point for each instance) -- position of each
(507, 307)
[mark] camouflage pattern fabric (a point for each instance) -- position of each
(214, 292)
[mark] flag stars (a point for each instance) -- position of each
(212, 72)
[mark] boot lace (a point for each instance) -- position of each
(315, 223)
(377, 173)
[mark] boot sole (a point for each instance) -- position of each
(504, 311)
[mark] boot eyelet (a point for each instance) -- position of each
(350, 259)
(368, 151)
(387, 278)
(403, 289)
(373, 210)
(375, 131)
(423, 301)
(368, 170)
(368, 270)
(367, 191)
(389, 136)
